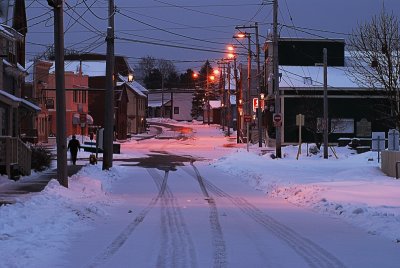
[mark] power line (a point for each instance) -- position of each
(163, 30)
(202, 12)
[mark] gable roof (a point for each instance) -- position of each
(133, 86)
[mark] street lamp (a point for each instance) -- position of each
(241, 35)
(231, 55)
(259, 85)
(130, 77)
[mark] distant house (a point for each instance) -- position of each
(35, 88)
(78, 118)
(177, 103)
(134, 105)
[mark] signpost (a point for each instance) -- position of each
(82, 119)
(378, 142)
(277, 118)
(300, 123)
(247, 119)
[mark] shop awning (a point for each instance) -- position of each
(82, 118)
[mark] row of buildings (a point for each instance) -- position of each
(28, 106)
(85, 77)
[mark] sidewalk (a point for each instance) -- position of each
(35, 183)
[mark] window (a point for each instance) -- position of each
(75, 95)
(84, 96)
(176, 110)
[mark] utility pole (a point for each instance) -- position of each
(208, 98)
(258, 110)
(109, 92)
(228, 100)
(278, 149)
(325, 51)
(238, 97)
(62, 174)
(259, 115)
(248, 96)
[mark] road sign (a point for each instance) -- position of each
(247, 118)
(277, 118)
(255, 104)
(300, 120)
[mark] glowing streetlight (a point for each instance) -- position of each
(130, 77)
(195, 75)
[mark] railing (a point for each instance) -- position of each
(15, 154)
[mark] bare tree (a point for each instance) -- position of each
(375, 59)
(166, 68)
(144, 67)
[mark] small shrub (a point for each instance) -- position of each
(41, 158)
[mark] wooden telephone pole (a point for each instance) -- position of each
(109, 93)
(62, 174)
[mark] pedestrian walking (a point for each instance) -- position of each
(74, 146)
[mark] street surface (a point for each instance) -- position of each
(174, 209)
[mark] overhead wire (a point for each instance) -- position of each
(198, 11)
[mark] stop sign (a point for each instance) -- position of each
(277, 118)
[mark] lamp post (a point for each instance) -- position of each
(249, 55)
(259, 80)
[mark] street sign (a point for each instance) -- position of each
(255, 104)
(277, 118)
(300, 120)
(378, 141)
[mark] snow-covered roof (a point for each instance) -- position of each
(90, 68)
(10, 96)
(158, 103)
(313, 77)
(31, 105)
(20, 100)
(135, 86)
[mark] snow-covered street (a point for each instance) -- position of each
(203, 201)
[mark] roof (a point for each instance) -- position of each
(134, 86)
(24, 102)
(313, 77)
(90, 68)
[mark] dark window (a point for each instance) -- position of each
(176, 110)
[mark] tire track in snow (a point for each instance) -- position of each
(313, 254)
(218, 242)
(120, 240)
(177, 247)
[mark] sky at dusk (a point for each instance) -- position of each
(189, 32)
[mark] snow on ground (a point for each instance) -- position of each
(351, 187)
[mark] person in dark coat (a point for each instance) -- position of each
(74, 146)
